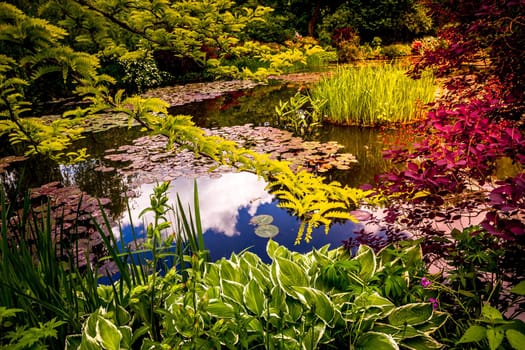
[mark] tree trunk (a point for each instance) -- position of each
(313, 20)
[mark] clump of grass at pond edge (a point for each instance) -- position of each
(374, 95)
(45, 295)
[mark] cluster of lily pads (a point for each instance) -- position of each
(263, 226)
(147, 159)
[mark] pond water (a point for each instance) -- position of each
(228, 201)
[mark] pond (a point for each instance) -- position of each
(125, 165)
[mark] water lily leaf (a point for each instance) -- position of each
(266, 231)
(261, 219)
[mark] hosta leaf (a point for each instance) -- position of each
(233, 291)
(288, 274)
(422, 342)
(220, 309)
(108, 334)
(254, 297)
(367, 260)
(318, 302)
(375, 340)
(412, 314)
(313, 336)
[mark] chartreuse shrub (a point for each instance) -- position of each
(374, 95)
(323, 299)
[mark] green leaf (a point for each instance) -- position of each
(108, 334)
(375, 340)
(318, 302)
(422, 342)
(411, 314)
(220, 309)
(474, 333)
(519, 288)
(515, 338)
(254, 298)
(490, 313)
(288, 274)
(313, 336)
(495, 337)
(267, 231)
(233, 291)
(261, 220)
(367, 260)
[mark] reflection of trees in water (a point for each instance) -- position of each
(20, 177)
(365, 145)
(238, 108)
(99, 184)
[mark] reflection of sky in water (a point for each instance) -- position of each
(227, 204)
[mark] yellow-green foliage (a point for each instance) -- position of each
(314, 201)
(374, 95)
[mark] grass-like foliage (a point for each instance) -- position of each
(45, 294)
(374, 95)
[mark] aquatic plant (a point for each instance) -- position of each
(374, 95)
(301, 114)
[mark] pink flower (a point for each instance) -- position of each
(425, 282)
(435, 302)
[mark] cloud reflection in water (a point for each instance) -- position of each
(220, 200)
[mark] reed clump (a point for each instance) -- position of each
(374, 95)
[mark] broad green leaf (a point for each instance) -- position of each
(412, 314)
(220, 309)
(490, 313)
(271, 247)
(437, 320)
(495, 337)
(73, 341)
(108, 334)
(212, 276)
(375, 306)
(474, 333)
(89, 343)
(230, 271)
(422, 342)
(397, 332)
(515, 338)
(375, 340)
(288, 274)
(318, 302)
(254, 297)
(233, 291)
(274, 250)
(127, 337)
(519, 288)
(313, 336)
(367, 260)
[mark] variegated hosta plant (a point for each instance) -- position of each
(324, 299)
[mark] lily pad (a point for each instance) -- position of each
(261, 219)
(266, 231)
